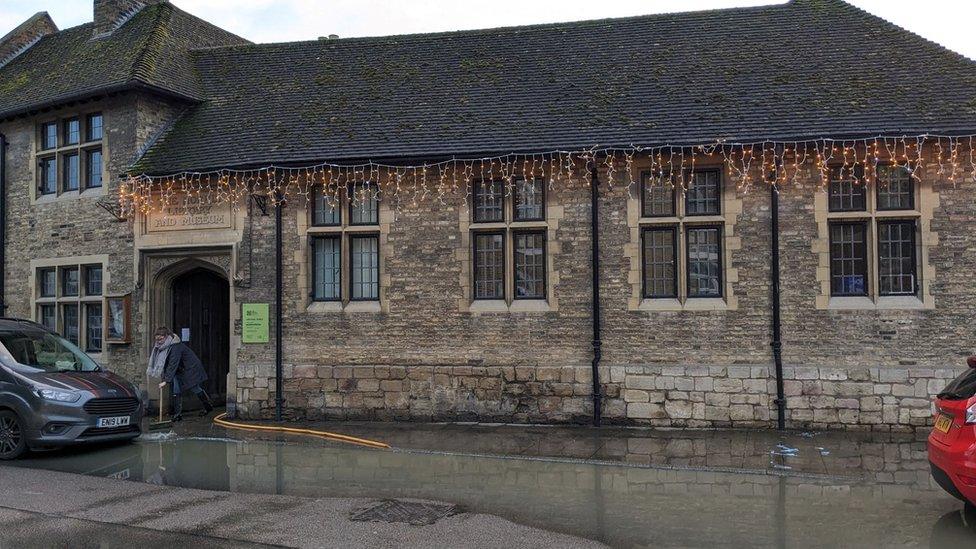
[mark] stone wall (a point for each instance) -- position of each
(879, 399)
(542, 394)
(74, 224)
(424, 357)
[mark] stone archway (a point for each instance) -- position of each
(163, 269)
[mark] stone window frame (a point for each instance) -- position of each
(62, 150)
(82, 300)
(552, 213)
(730, 208)
(924, 203)
(345, 231)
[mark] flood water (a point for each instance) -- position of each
(621, 505)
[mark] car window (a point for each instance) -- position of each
(36, 349)
(962, 387)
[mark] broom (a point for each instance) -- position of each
(158, 425)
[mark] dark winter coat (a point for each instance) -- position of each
(183, 364)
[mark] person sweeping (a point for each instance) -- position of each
(177, 365)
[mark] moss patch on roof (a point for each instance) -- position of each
(809, 68)
(151, 49)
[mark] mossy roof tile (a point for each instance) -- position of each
(805, 69)
(150, 50)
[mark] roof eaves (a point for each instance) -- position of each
(448, 155)
(133, 84)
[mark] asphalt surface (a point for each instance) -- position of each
(52, 509)
(28, 530)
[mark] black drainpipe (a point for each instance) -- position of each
(3, 223)
(279, 395)
(597, 343)
(777, 343)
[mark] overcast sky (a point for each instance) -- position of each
(948, 22)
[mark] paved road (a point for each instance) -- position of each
(52, 509)
(26, 529)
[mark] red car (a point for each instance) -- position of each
(952, 444)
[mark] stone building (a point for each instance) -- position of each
(440, 254)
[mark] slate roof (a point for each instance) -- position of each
(150, 50)
(802, 70)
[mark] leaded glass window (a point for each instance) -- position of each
(69, 301)
(364, 208)
(93, 280)
(660, 272)
(365, 267)
(69, 313)
(488, 200)
(657, 196)
(896, 258)
(847, 191)
(48, 282)
(71, 172)
(47, 317)
(93, 173)
(94, 131)
(69, 155)
(325, 208)
(489, 265)
(49, 136)
(327, 268)
(704, 193)
(49, 175)
(69, 281)
(93, 327)
(848, 259)
(704, 262)
(530, 265)
(529, 200)
(72, 131)
(895, 188)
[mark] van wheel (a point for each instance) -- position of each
(12, 442)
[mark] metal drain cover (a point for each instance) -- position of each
(411, 512)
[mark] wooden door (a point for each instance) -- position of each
(201, 310)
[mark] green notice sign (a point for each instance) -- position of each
(254, 323)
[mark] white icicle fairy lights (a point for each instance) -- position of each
(777, 163)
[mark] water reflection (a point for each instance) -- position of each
(955, 529)
(614, 504)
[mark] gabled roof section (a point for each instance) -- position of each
(806, 69)
(150, 51)
(25, 35)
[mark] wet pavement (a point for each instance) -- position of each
(622, 487)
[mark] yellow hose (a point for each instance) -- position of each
(219, 420)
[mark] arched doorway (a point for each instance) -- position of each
(201, 317)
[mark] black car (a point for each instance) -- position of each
(52, 394)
